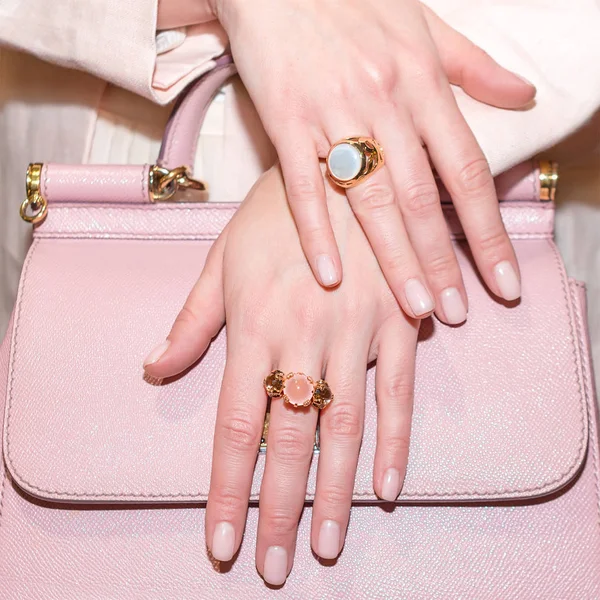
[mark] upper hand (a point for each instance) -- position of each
(322, 70)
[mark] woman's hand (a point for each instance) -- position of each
(322, 70)
(279, 317)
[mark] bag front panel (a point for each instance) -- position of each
(547, 548)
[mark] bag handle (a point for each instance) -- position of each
(183, 129)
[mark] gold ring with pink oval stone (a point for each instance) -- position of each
(298, 390)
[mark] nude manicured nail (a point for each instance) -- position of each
(329, 540)
(418, 297)
(507, 280)
(157, 353)
(390, 487)
(523, 79)
(223, 544)
(326, 270)
(275, 570)
(453, 305)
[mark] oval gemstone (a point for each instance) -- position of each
(344, 161)
(298, 389)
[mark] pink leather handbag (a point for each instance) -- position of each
(105, 473)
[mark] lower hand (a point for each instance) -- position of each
(278, 317)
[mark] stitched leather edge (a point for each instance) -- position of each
(470, 496)
(593, 447)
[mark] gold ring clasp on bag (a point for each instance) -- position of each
(35, 207)
(164, 185)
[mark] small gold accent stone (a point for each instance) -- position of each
(274, 383)
(322, 395)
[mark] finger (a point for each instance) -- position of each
(394, 383)
(306, 197)
(466, 175)
(423, 217)
(283, 490)
(470, 67)
(374, 202)
(341, 428)
(238, 430)
(198, 322)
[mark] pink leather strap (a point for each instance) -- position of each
(183, 130)
(97, 184)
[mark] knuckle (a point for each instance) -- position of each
(375, 197)
(493, 242)
(281, 523)
(241, 433)
(313, 234)
(187, 318)
(380, 79)
(345, 422)
(398, 390)
(290, 445)
(425, 73)
(397, 446)
(228, 501)
(302, 190)
(441, 266)
(421, 199)
(394, 261)
(474, 177)
(354, 310)
(334, 495)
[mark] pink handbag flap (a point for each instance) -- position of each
(499, 407)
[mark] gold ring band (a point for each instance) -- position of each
(353, 159)
(298, 390)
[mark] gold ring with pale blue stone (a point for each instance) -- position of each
(298, 390)
(353, 159)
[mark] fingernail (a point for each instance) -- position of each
(453, 305)
(329, 540)
(157, 353)
(523, 79)
(390, 487)
(223, 544)
(418, 297)
(507, 280)
(275, 570)
(326, 270)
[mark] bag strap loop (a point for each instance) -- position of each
(183, 129)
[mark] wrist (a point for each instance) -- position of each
(226, 10)
(179, 13)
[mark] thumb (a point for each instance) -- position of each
(471, 68)
(198, 322)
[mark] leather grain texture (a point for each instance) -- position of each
(125, 184)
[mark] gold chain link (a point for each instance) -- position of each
(35, 207)
(165, 183)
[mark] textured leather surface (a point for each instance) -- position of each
(547, 548)
(184, 221)
(124, 184)
(489, 422)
